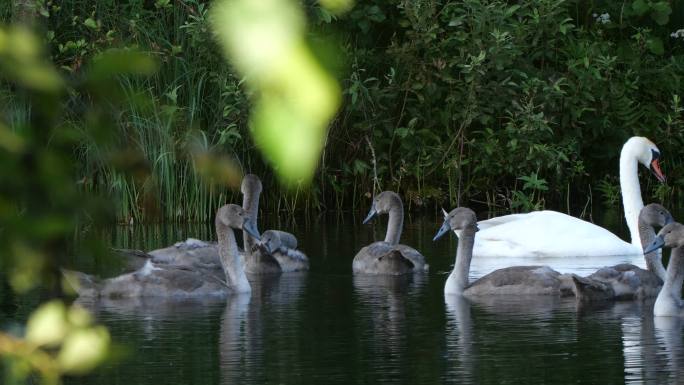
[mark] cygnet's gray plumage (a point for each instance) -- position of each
(669, 300)
(516, 280)
(626, 281)
(197, 254)
(283, 247)
(256, 261)
(388, 256)
(651, 216)
(177, 281)
(189, 253)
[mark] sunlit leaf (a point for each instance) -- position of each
(257, 34)
(337, 6)
(79, 317)
(295, 98)
(83, 350)
(47, 325)
(22, 61)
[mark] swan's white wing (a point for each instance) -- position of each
(502, 220)
(548, 234)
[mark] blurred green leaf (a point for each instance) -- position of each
(337, 6)
(10, 141)
(21, 61)
(295, 98)
(655, 45)
(48, 325)
(640, 7)
(83, 350)
(661, 12)
(115, 62)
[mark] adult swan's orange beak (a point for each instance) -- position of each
(655, 167)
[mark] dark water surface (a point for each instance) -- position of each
(330, 327)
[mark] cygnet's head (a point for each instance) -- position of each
(251, 184)
(236, 217)
(647, 153)
(459, 219)
(670, 236)
(382, 203)
(270, 240)
(655, 215)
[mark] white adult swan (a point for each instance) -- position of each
(553, 234)
(669, 300)
(175, 281)
(516, 280)
(388, 256)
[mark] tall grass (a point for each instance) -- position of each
(447, 102)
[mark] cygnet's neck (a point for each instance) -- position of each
(250, 203)
(654, 261)
(669, 301)
(458, 279)
(631, 190)
(395, 224)
(236, 279)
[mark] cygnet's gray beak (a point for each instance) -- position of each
(657, 243)
(267, 247)
(251, 229)
(442, 230)
(668, 220)
(371, 214)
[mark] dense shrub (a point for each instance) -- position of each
(516, 105)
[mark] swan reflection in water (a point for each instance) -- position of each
(383, 313)
(538, 329)
(243, 339)
(652, 346)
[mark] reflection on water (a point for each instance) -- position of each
(327, 326)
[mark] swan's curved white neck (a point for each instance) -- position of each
(631, 190)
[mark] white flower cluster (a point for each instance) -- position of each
(603, 18)
(677, 34)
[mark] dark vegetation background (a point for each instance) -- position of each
(504, 105)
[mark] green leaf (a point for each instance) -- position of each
(83, 350)
(655, 45)
(511, 10)
(90, 23)
(640, 7)
(47, 325)
(661, 12)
